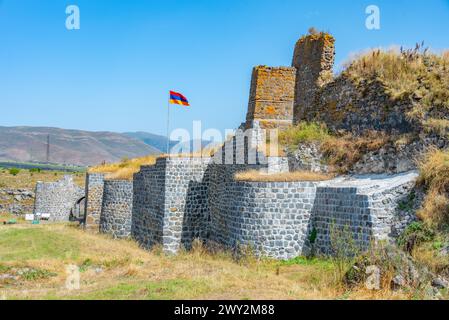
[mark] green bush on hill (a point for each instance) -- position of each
(14, 171)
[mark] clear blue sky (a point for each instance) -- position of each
(115, 72)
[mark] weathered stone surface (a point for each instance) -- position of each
(397, 158)
(271, 96)
(57, 198)
(440, 283)
(307, 157)
(16, 201)
(94, 199)
(389, 260)
(313, 59)
(116, 210)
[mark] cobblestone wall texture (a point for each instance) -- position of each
(94, 199)
(57, 198)
(359, 212)
(116, 210)
(270, 218)
(179, 200)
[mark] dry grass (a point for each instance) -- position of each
(27, 180)
(429, 255)
(396, 71)
(258, 176)
(434, 176)
(124, 169)
(342, 152)
(119, 269)
(415, 75)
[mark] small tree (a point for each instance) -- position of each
(14, 171)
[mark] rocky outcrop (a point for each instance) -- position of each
(16, 201)
(390, 265)
(307, 157)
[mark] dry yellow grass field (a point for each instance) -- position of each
(119, 269)
(27, 180)
(257, 176)
(124, 169)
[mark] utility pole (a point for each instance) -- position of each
(48, 148)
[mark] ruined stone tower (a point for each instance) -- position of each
(271, 97)
(313, 59)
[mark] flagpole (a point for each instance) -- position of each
(168, 126)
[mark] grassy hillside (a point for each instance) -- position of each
(416, 76)
(24, 144)
(112, 269)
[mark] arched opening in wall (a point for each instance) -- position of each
(77, 211)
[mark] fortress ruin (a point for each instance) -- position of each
(178, 200)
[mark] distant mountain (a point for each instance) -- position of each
(160, 142)
(153, 140)
(76, 147)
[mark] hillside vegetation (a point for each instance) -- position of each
(417, 76)
(124, 169)
(341, 149)
(434, 177)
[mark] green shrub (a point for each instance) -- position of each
(304, 132)
(414, 235)
(14, 171)
(35, 170)
(313, 235)
(36, 274)
(86, 264)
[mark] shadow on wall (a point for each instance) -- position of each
(149, 205)
(196, 216)
(341, 222)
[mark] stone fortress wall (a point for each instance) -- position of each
(58, 199)
(202, 200)
(271, 96)
(116, 208)
(178, 200)
(94, 199)
(170, 204)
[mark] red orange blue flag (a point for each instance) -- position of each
(177, 98)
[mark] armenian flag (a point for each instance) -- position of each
(177, 98)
